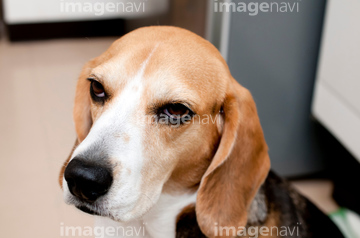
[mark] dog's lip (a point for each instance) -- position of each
(87, 210)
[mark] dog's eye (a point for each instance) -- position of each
(174, 114)
(97, 89)
(176, 111)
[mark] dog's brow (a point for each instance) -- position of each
(94, 76)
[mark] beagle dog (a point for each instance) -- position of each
(168, 140)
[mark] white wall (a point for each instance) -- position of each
(34, 11)
(337, 93)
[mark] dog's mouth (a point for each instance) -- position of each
(87, 210)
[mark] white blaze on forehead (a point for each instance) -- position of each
(116, 118)
(106, 136)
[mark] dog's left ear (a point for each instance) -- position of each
(238, 169)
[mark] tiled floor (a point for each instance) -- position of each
(37, 82)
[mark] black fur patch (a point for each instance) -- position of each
(295, 212)
(187, 225)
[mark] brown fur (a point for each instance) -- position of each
(63, 167)
(239, 167)
(227, 160)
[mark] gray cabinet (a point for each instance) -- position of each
(274, 55)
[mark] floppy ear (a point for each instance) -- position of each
(238, 169)
(63, 167)
(81, 112)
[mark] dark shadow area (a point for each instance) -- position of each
(41, 31)
(1, 20)
(341, 167)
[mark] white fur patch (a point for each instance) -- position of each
(159, 222)
(121, 200)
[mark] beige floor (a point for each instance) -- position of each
(319, 192)
(37, 82)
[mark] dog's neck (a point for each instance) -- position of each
(258, 210)
(161, 220)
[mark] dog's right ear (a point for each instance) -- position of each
(81, 113)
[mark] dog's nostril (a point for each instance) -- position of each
(87, 181)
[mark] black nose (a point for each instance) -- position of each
(86, 180)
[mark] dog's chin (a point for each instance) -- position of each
(94, 212)
(112, 215)
(124, 213)
(87, 210)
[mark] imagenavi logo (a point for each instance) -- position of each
(254, 8)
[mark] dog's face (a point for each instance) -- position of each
(149, 116)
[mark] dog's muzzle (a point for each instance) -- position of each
(86, 180)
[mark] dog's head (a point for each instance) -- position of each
(159, 112)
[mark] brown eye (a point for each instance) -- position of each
(97, 89)
(176, 111)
